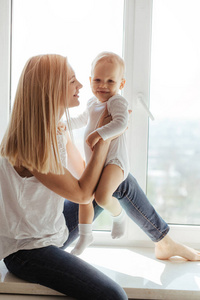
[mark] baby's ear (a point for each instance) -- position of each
(90, 79)
(122, 84)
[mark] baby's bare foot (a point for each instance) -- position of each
(167, 248)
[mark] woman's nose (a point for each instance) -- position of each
(80, 85)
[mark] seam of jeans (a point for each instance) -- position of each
(162, 234)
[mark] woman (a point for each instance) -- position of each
(35, 221)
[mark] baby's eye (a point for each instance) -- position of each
(110, 81)
(96, 79)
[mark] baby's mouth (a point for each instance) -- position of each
(102, 92)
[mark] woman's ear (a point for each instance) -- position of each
(122, 84)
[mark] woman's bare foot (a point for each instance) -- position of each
(167, 248)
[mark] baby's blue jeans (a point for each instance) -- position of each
(52, 267)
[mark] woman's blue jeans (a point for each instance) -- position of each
(52, 267)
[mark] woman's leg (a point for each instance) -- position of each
(140, 210)
(136, 205)
(63, 272)
(167, 248)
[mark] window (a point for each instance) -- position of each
(129, 33)
(174, 138)
(5, 29)
(77, 29)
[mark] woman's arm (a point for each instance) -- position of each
(79, 191)
(79, 121)
(75, 162)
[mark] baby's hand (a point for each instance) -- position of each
(93, 139)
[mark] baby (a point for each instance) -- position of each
(107, 78)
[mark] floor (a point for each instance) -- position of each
(135, 269)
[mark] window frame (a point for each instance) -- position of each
(137, 54)
(5, 50)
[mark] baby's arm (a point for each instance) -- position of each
(118, 108)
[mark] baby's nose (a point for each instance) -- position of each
(103, 84)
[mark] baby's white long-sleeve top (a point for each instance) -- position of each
(117, 107)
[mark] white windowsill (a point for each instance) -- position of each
(136, 269)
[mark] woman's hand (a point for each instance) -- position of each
(93, 139)
(105, 118)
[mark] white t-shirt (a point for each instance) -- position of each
(31, 215)
(118, 108)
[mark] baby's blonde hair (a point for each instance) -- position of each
(109, 57)
(31, 137)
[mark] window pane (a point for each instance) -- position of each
(174, 137)
(74, 28)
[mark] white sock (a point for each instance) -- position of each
(119, 225)
(85, 238)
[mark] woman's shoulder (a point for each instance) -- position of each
(3, 163)
(8, 175)
(7, 170)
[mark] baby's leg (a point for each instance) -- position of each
(86, 215)
(111, 178)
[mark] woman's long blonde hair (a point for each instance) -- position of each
(30, 140)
